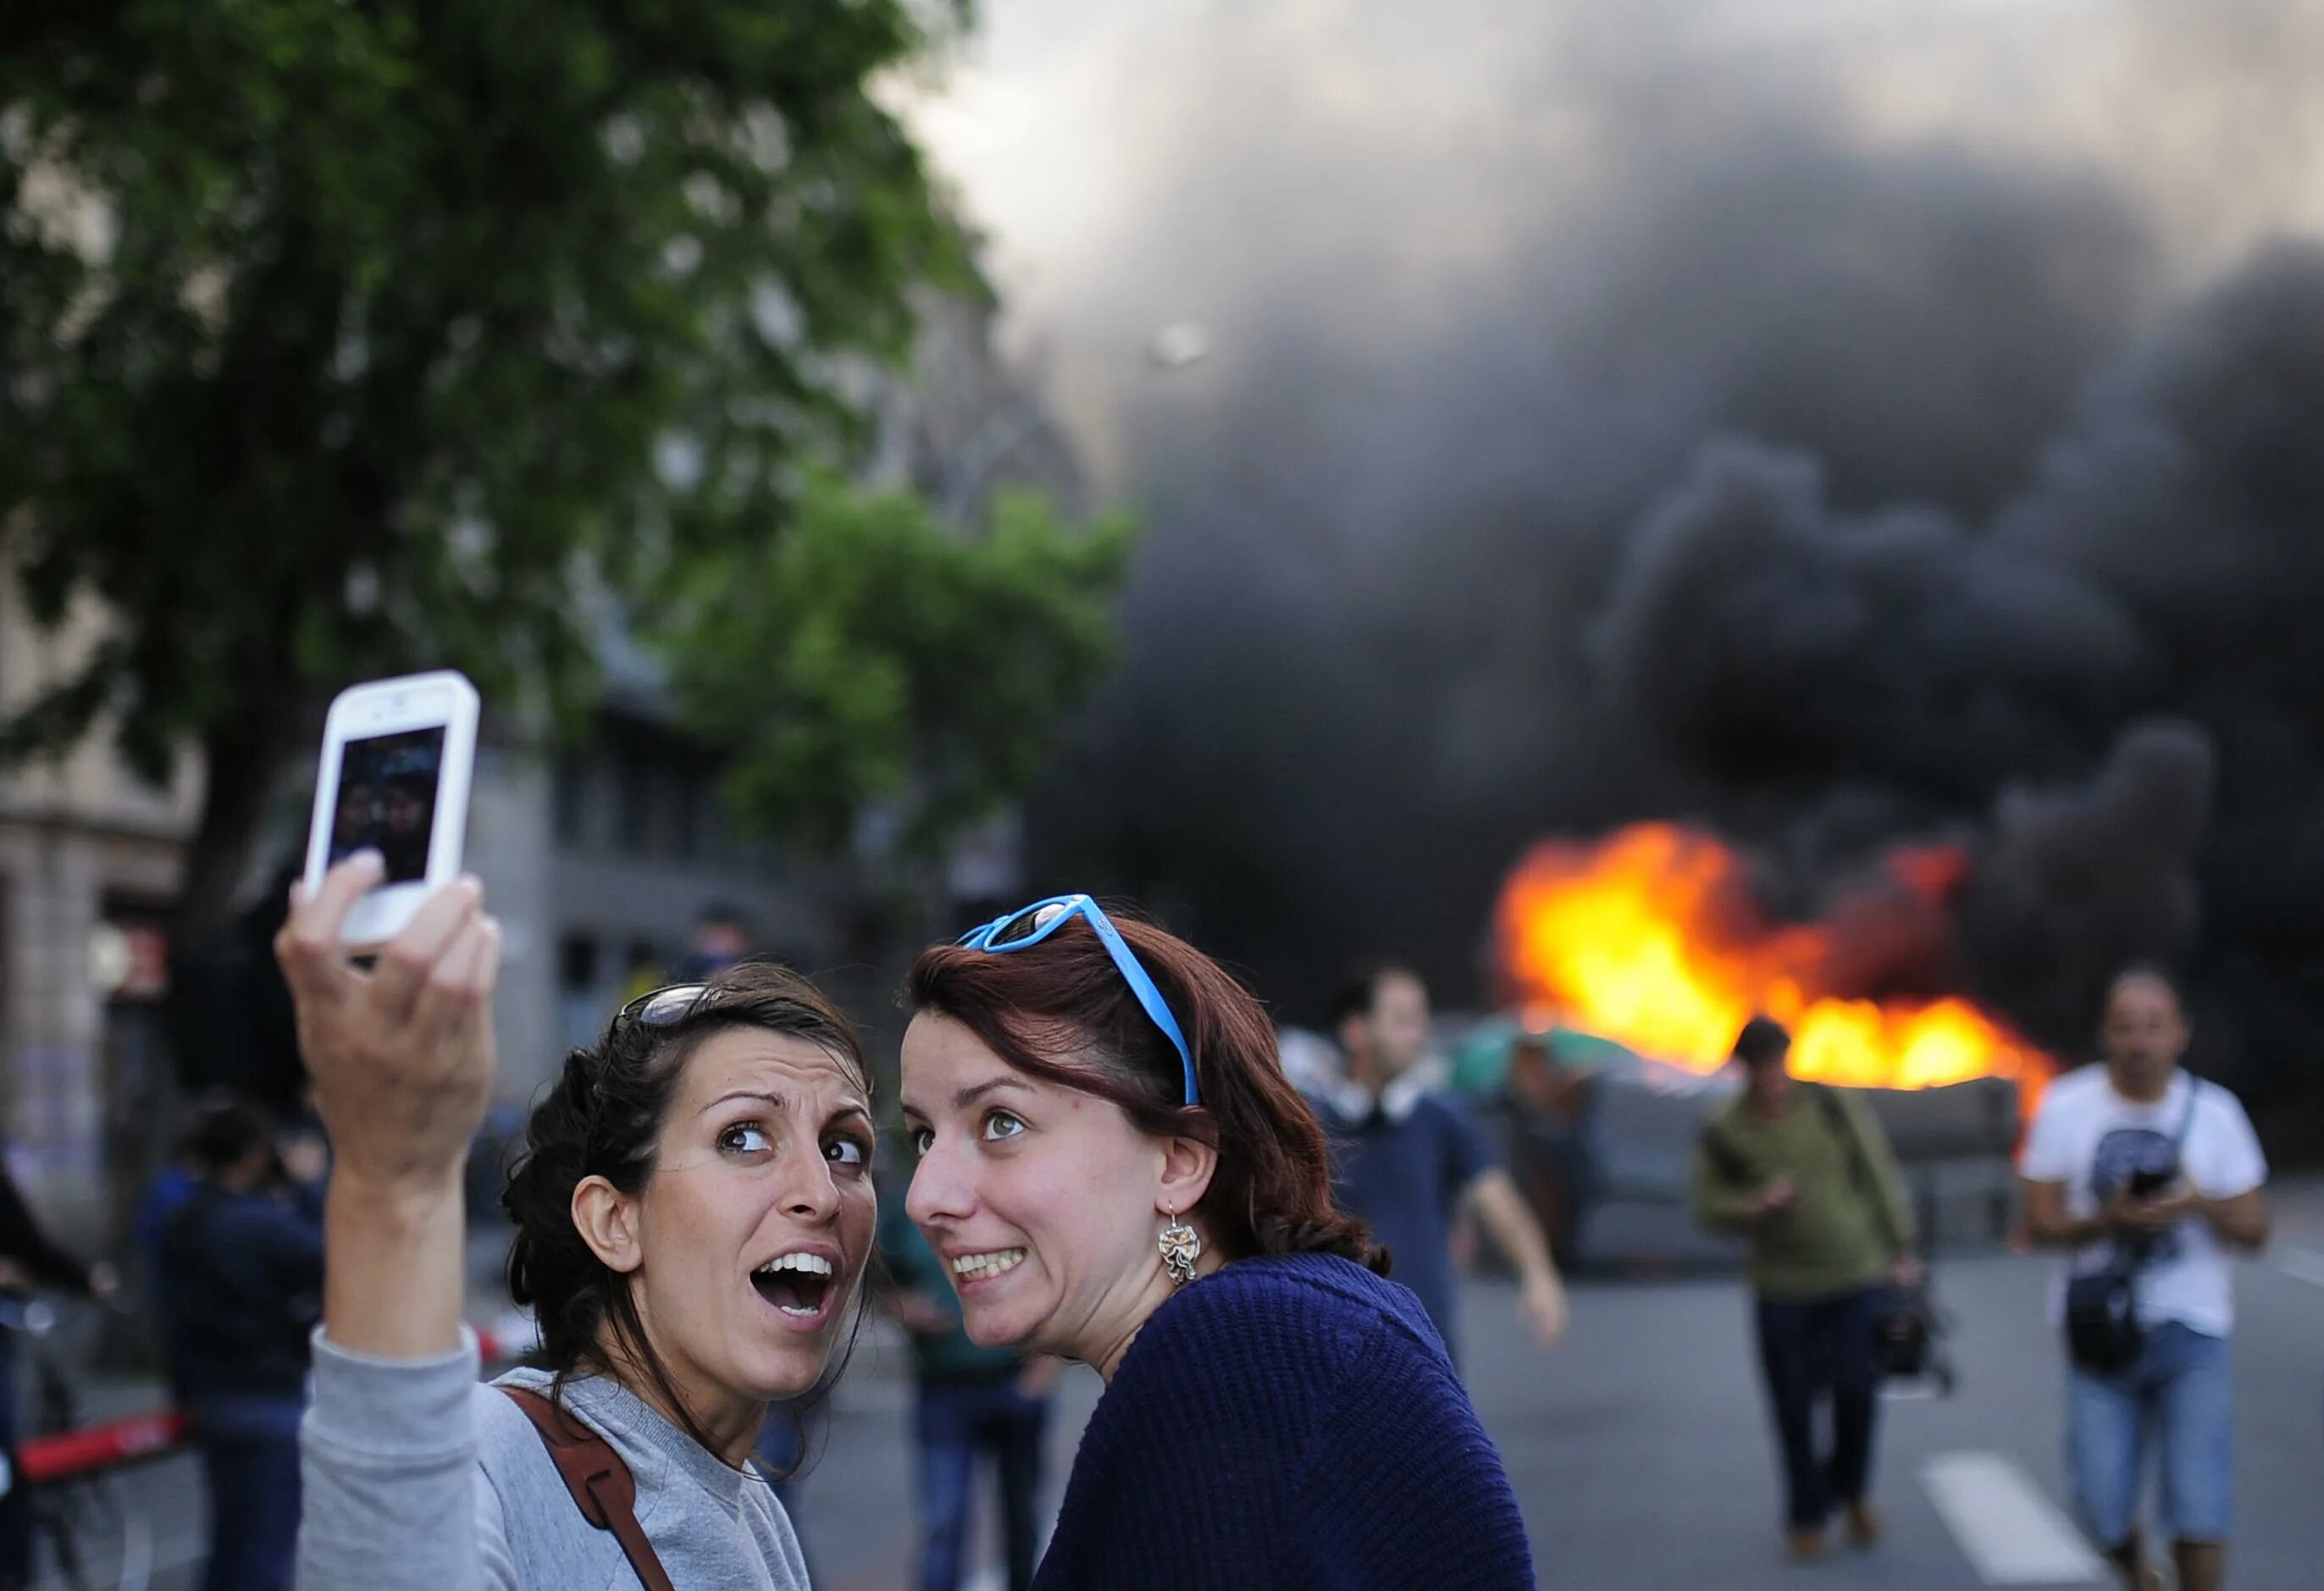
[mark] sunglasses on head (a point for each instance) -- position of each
(662, 1007)
(1030, 926)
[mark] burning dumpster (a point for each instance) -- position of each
(1654, 939)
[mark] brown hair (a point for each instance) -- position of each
(603, 1117)
(1061, 1011)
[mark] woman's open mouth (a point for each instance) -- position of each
(798, 1284)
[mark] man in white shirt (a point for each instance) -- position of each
(2136, 1163)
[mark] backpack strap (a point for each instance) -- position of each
(600, 1482)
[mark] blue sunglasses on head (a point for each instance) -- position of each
(1013, 930)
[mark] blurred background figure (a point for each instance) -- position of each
(1544, 1105)
(29, 1259)
(1805, 1173)
(720, 937)
(1408, 1159)
(969, 1403)
(242, 1254)
(2137, 1167)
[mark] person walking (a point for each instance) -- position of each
(1408, 1161)
(969, 1402)
(243, 1256)
(1113, 1168)
(1806, 1175)
(2147, 1178)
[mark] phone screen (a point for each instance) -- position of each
(386, 800)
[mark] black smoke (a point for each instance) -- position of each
(1828, 488)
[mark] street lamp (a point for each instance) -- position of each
(1173, 347)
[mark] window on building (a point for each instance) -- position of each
(688, 793)
(632, 806)
(576, 961)
(569, 801)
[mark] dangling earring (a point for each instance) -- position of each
(1181, 1246)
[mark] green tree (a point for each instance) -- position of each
(338, 338)
(873, 654)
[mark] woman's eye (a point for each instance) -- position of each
(922, 1141)
(846, 1152)
(1002, 1124)
(745, 1139)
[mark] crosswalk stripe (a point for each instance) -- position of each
(2010, 1532)
(2300, 1262)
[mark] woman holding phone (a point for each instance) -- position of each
(1113, 1168)
(694, 1210)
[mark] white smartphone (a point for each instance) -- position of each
(397, 758)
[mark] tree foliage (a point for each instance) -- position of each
(338, 339)
(875, 656)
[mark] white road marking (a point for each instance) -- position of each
(2305, 1264)
(2010, 1532)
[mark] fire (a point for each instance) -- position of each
(1651, 937)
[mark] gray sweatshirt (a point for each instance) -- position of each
(417, 1479)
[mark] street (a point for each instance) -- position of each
(1640, 1457)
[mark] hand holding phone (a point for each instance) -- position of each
(398, 755)
(400, 1055)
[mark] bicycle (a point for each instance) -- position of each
(96, 1538)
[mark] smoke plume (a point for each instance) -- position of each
(1835, 424)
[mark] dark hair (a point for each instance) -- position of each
(1061, 1011)
(602, 1118)
(225, 1134)
(1358, 990)
(1764, 1042)
(2152, 973)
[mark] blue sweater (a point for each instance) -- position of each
(1287, 1421)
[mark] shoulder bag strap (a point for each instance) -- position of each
(1860, 1169)
(2187, 1122)
(599, 1481)
(1726, 1159)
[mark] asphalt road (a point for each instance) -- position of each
(1639, 1451)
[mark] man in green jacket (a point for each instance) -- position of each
(1805, 1174)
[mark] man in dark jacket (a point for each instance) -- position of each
(245, 1262)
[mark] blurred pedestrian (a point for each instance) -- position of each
(1114, 1169)
(164, 1197)
(2149, 1177)
(1805, 1174)
(719, 939)
(29, 1259)
(1409, 1160)
(1547, 1105)
(969, 1402)
(243, 1256)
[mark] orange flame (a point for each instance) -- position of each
(1652, 938)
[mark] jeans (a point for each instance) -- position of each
(2181, 1390)
(250, 1458)
(955, 1420)
(1805, 1350)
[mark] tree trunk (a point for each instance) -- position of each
(244, 760)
